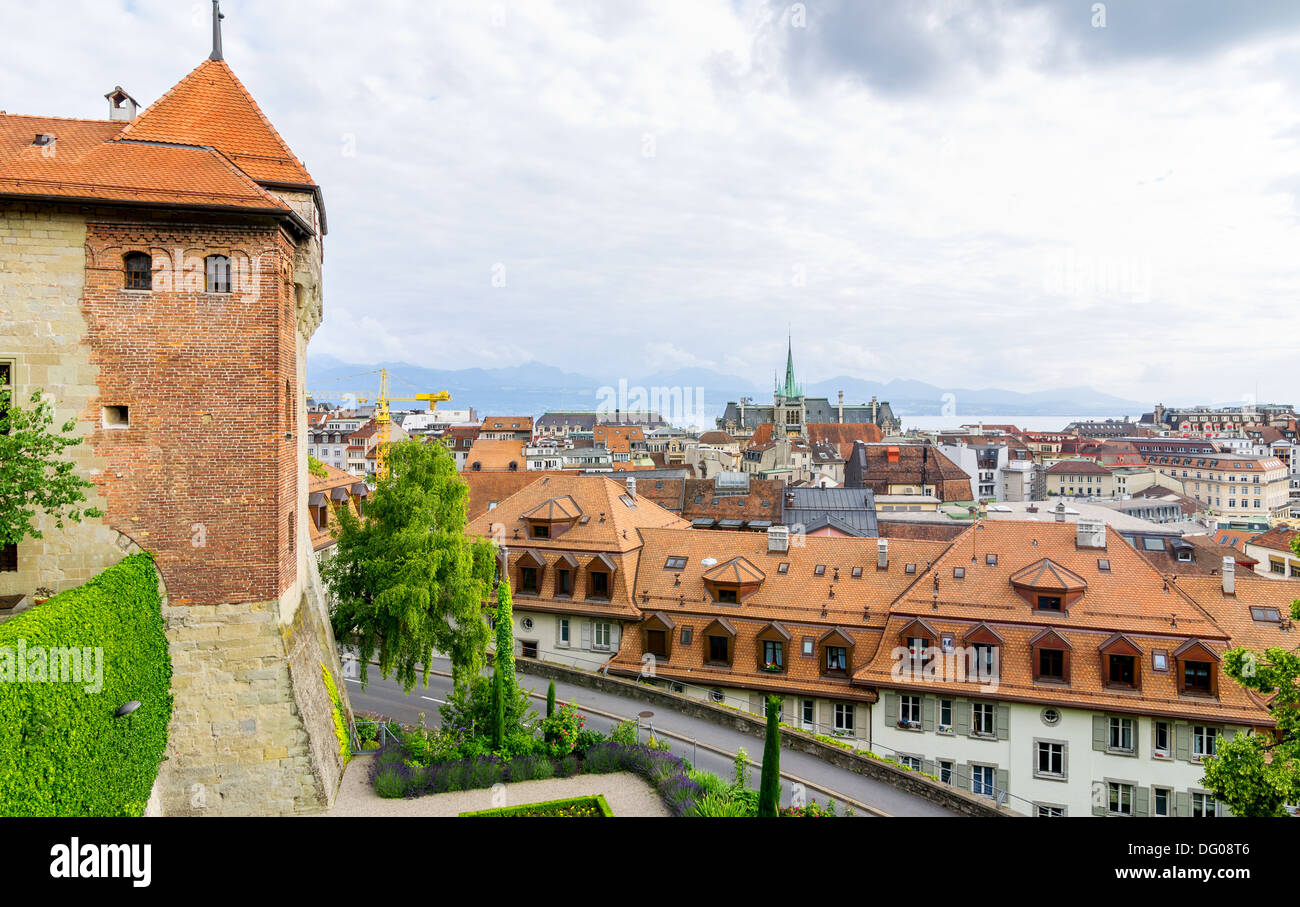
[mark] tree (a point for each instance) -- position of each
(1259, 774)
(34, 477)
(550, 699)
(503, 665)
(406, 579)
(769, 784)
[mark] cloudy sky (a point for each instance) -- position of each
(1007, 193)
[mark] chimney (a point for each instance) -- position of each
(121, 106)
(1090, 534)
(1229, 576)
(1059, 512)
(631, 487)
(882, 553)
(778, 538)
(840, 407)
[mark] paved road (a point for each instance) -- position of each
(706, 745)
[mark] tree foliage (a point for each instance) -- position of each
(504, 686)
(769, 784)
(1259, 774)
(34, 476)
(406, 579)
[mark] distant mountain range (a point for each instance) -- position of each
(533, 388)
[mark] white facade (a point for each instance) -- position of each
(1146, 780)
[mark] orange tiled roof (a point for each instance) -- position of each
(88, 161)
(323, 537)
(487, 488)
(1278, 539)
(1233, 614)
(495, 455)
(210, 106)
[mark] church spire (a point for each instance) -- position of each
(217, 16)
(791, 389)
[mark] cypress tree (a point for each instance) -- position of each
(550, 699)
(769, 788)
(503, 666)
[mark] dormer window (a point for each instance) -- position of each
(1196, 668)
(599, 572)
(541, 530)
(837, 649)
(1048, 586)
(1049, 603)
(1051, 657)
(1121, 663)
(720, 640)
(734, 581)
(137, 271)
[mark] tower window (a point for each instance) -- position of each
(218, 274)
(137, 271)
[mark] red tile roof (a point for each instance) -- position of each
(210, 106)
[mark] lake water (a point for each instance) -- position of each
(1027, 423)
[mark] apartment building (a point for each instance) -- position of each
(1273, 553)
(1079, 478)
(732, 617)
(571, 546)
(1236, 489)
(1054, 669)
(507, 428)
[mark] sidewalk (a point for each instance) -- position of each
(627, 795)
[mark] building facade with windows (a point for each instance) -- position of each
(1060, 667)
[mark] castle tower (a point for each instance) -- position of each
(162, 284)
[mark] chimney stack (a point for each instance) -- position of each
(840, 407)
(1229, 576)
(882, 554)
(778, 538)
(1090, 534)
(121, 106)
(1060, 512)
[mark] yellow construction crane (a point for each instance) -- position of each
(384, 422)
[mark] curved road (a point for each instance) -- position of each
(708, 746)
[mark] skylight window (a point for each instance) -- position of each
(1266, 615)
(675, 563)
(958, 572)
(909, 569)
(1103, 564)
(783, 567)
(819, 570)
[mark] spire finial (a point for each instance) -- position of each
(217, 16)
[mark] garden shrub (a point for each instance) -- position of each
(62, 750)
(389, 783)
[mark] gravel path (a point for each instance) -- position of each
(627, 795)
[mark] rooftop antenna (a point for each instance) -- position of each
(217, 16)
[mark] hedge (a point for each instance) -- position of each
(62, 750)
(596, 803)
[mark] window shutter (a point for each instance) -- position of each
(927, 713)
(1184, 801)
(1141, 799)
(1003, 778)
(1183, 740)
(825, 717)
(891, 708)
(586, 634)
(961, 775)
(1099, 804)
(1004, 721)
(756, 704)
(615, 635)
(559, 638)
(928, 766)
(962, 717)
(1099, 729)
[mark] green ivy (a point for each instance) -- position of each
(62, 750)
(340, 719)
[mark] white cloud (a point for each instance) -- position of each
(662, 180)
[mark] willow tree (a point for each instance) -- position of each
(405, 578)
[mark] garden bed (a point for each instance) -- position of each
(573, 807)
